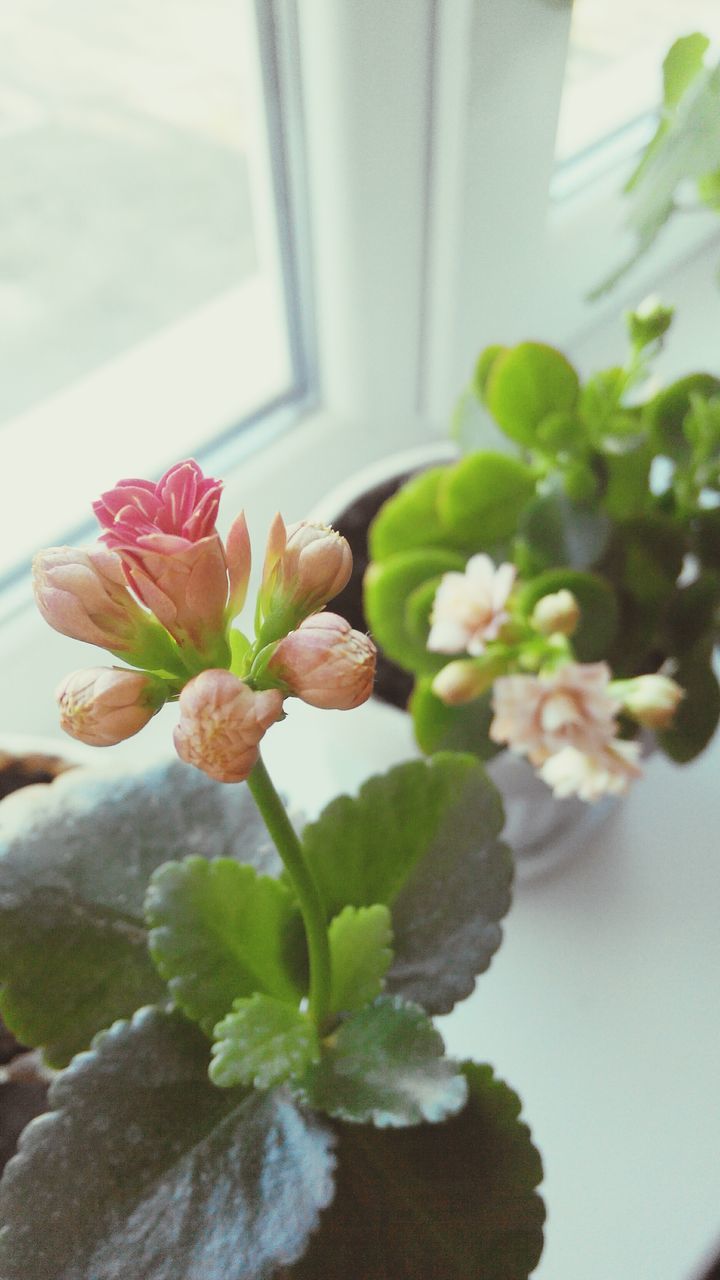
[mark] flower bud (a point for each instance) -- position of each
(464, 680)
(326, 663)
(83, 594)
(651, 700)
(222, 722)
(104, 705)
(306, 565)
(558, 613)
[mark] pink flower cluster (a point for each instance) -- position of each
(163, 596)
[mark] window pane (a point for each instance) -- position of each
(141, 296)
(613, 73)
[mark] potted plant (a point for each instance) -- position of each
(561, 598)
(241, 1012)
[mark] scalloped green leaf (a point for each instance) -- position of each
(483, 496)
(75, 859)
(424, 824)
(388, 586)
(697, 716)
(218, 931)
(599, 614)
(386, 1066)
(456, 1200)
(442, 728)
(360, 954)
(525, 384)
(261, 1043)
(145, 1169)
(411, 520)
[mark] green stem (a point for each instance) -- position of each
(288, 846)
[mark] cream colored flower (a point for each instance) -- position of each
(539, 715)
(469, 608)
(609, 772)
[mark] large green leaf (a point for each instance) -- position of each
(483, 496)
(219, 931)
(146, 1170)
(525, 384)
(261, 1043)
(423, 839)
(411, 519)
(75, 859)
(668, 410)
(598, 608)
(388, 587)
(386, 1066)
(442, 728)
(456, 1200)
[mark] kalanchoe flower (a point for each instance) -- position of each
(306, 565)
(469, 608)
(222, 722)
(543, 716)
(558, 613)
(652, 700)
(326, 663)
(172, 554)
(83, 595)
(104, 705)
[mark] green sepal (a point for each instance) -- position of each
(262, 1043)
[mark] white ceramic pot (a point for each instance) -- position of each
(542, 831)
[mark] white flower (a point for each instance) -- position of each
(469, 608)
(574, 773)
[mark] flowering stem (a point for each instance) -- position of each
(289, 848)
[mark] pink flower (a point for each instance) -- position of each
(326, 663)
(222, 722)
(105, 705)
(172, 554)
(469, 608)
(572, 772)
(306, 565)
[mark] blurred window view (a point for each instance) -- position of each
(614, 76)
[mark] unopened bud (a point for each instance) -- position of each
(464, 680)
(104, 705)
(222, 722)
(556, 614)
(326, 663)
(651, 700)
(306, 565)
(83, 594)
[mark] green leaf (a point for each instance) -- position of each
(696, 718)
(261, 1043)
(667, 412)
(482, 497)
(442, 728)
(556, 532)
(598, 605)
(456, 1200)
(683, 62)
(386, 1066)
(147, 1170)
(627, 485)
(691, 615)
(422, 839)
(388, 586)
(706, 535)
(75, 859)
(220, 931)
(645, 558)
(410, 519)
(360, 955)
(484, 367)
(525, 384)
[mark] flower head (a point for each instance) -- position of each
(222, 722)
(326, 663)
(104, 705)
(306, 565)
(469, 608)
(571, 772)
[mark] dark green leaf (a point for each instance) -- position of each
(645, 557)
(556, 532)
(423, 839)
(454, 1201)
(482, 497)
(261, 1043)
(388, 586)
(598, 608)
(146, 1170)
(442, 728)
(75, 859)
(691, 614)
(696, 719)
(360, 955)
(706, 531)
(627, 485)
(525, 384)
(386, 1066)
(411, 520)
(220, 931)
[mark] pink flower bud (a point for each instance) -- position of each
(326, 663)
(557, 613)
(305, 566)
(651, 700)
(222, 722)
(82, 594)
(105, 705)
